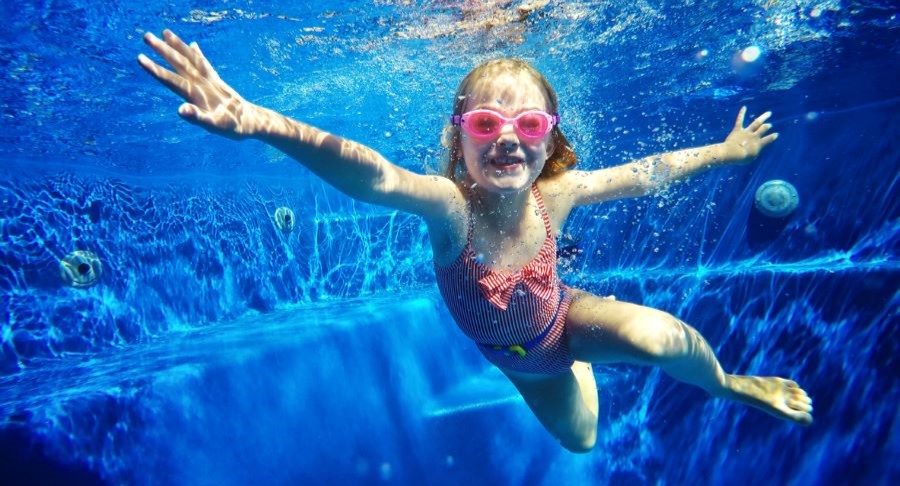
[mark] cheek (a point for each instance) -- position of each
(472, 148)
(470, 155)
(540, 151)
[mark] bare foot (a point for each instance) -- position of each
(776, 396)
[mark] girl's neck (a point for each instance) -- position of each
(501, 211)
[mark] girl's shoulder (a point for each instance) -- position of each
(448, 236)
(556, 192)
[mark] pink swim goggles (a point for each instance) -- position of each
(486, 124)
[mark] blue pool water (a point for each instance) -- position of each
(216, 349)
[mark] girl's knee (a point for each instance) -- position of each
(580, 431)
(581, 443)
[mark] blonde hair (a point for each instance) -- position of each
(562, 157)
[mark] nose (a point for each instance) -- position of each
(508, 139)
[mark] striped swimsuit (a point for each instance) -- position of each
(516, 318)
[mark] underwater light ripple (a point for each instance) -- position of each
(832, 263)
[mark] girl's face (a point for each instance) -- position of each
(506, 164)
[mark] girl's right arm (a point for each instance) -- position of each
(352, 168)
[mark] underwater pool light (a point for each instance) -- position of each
(750, 54)
(777, 199)
(80, 269)
(284, 219)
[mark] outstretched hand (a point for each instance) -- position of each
(210, 103)
(747, 142)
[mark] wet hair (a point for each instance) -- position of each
(453, 167)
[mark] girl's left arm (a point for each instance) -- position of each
(647, 175)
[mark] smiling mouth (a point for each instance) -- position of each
(506, 162)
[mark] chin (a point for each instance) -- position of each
(506, 185)
(513, 188)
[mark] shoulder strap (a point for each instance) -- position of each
(470, 223)
(540, 203)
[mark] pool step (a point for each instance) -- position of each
(487, 390)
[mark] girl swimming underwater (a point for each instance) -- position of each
(492, 219)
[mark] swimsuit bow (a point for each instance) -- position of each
(498, 286)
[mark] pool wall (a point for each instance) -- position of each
(818, 303)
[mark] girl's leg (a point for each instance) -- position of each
(566, 404)
(608, 331)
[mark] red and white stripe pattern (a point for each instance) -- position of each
(501, 308)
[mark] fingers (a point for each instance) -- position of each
(174, 51)
(173, 57)
(217, 123)
(178, 45)
(758, 128)
(174, 82)
(191, 53)
(191, 114)
(195, 116)
(739, 123)
(768, 139)
(759, 121)
(188, 111)
(192, 70)
(201, 63)
(758, 125)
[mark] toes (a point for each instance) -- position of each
(799, 405)
(800, 395)
(799, 413)
(804, 419)
(791, 384)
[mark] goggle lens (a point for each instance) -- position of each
(484, 123)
